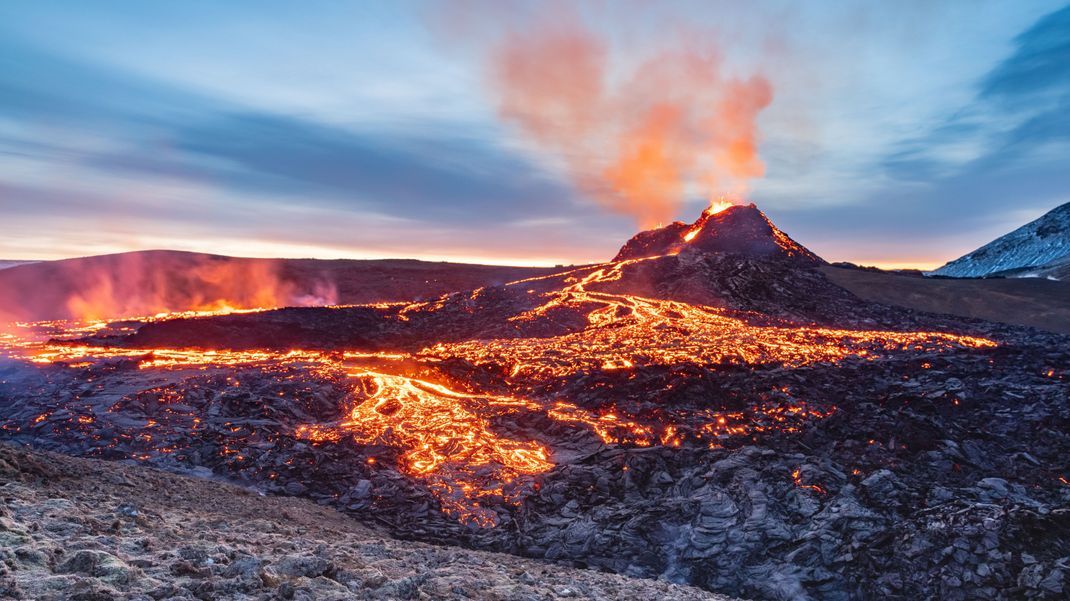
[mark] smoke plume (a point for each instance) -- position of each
(151, 282)
(637, 136)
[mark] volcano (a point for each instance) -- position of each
(740, 230)
(706, 408)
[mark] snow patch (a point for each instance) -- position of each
(1035, 244)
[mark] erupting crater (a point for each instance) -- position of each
(722, 228)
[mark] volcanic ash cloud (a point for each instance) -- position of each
(637, 135)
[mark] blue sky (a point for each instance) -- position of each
(899, 133)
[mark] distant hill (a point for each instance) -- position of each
(1040, 248)
(150, 282)
(5, 264)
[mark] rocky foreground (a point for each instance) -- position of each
(91, 530)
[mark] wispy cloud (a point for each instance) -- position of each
(345, 128)
(986, 167)
(85, 140)
(1021, 107)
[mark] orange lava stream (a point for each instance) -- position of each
(631, 331)
(716, 206)
(447, 437)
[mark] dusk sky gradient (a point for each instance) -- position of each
(899, 134)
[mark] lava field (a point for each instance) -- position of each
(726, 419)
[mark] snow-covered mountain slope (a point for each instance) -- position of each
(1059, 269)
(1043, 242)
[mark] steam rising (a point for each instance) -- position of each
(639, 137)
(147, 283)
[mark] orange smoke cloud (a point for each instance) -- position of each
(138, 289)
(147, 283)
(636, 139)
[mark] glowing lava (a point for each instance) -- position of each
(446, 436)
(716, 206)
(473, 448)
(626, 330)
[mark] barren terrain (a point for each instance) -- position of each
(729, 420)
(1033, 302)
(82, 529)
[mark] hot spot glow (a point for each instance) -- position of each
(716, 206)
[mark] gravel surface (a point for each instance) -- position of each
(84, 529)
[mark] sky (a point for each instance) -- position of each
(896, 134)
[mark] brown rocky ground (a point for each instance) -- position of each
(1033, 302)
(85, 529)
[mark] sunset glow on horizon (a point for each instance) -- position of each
(526, 134)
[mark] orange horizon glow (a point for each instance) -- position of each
(285, 251)
(297, 251)
(256, 248)
(895, 264)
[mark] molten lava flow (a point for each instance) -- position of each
(446, 437)
(637, 331)
(474, 449)
(716, 206)
(796, 476)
